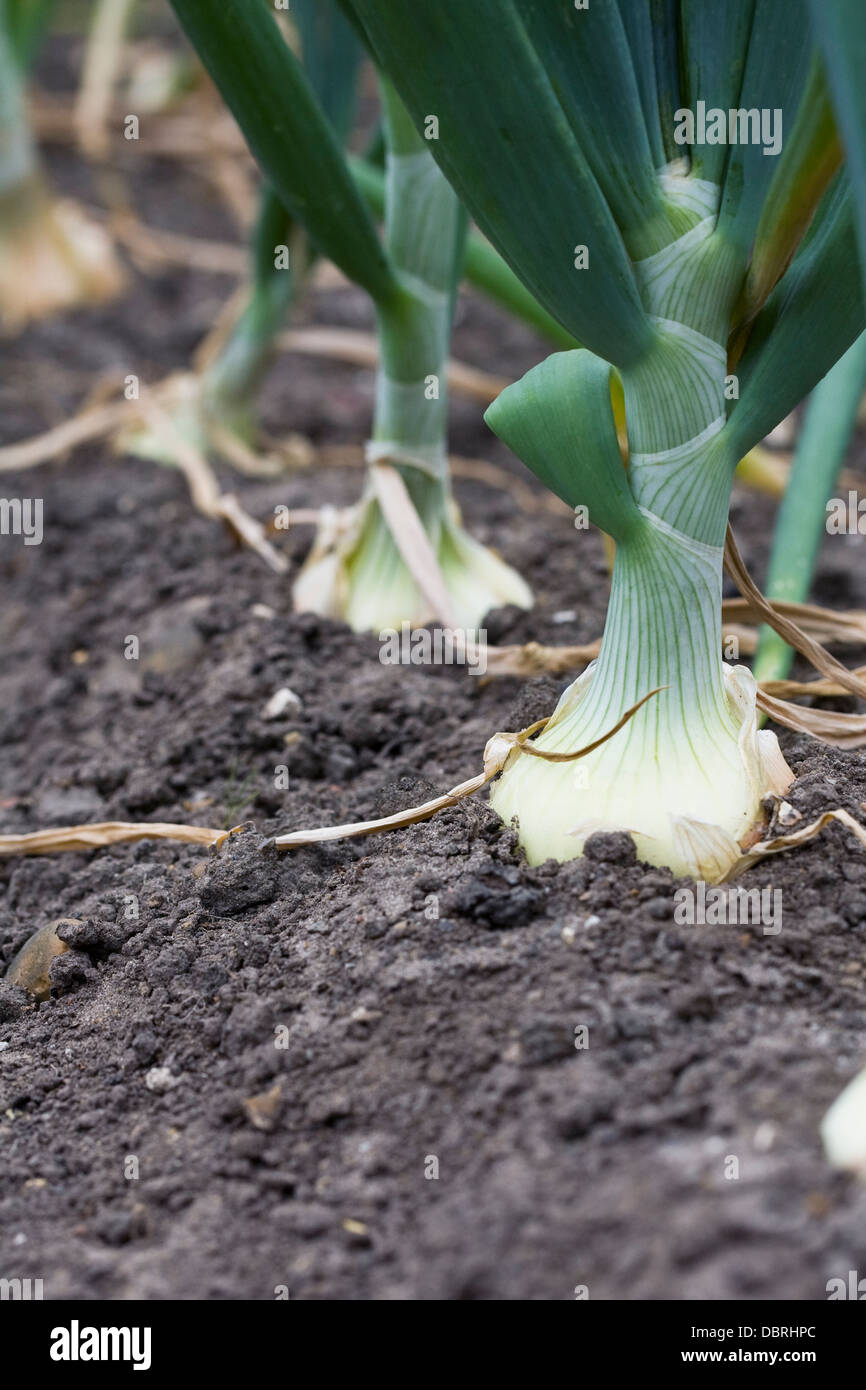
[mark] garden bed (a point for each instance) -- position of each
(427, 984)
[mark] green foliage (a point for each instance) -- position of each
(287, 131)
(576, 456)
(800, 526)
(840, 26)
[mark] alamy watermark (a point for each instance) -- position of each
(736, 126)
(22, 516)
(849, 1287)
(77, 1343)
(21, 1290)
(714, 907)
(438, 646)
(846, 518)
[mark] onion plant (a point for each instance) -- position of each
(51, 255)
(215, 408)
(803, 518)
(565, 131)
(364, 576)
(358, 570)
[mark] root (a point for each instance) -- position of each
(204, 488)
(76, 838)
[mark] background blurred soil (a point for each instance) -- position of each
(428, 983)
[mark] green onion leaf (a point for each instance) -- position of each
(774, 78)
(586, 56)
(840, 26)
(809, 161)
(273, 103)
(812, 317)
(637, 22)
(667, 67)
(331, 55)
(800, 525)
(559, 420)
(714, 55)
(508, 148)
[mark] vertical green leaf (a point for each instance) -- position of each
(807, 166)
(800, 525)
(587, 57)
(811, 318)
(18, 156)
(425, 233)
(273, 103)
(774, 78)
(840, 27)
(714, 48)
(331, 56)
(508, 148)
(665, 28)
(637, 22)
(26, 21)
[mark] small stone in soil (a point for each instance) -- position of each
(281, 700)
(160, 1080)
(30, 968)
(263, 1110)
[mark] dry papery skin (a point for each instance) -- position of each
(52, 257)
(75, 838)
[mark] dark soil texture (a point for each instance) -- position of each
(351, 1072)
